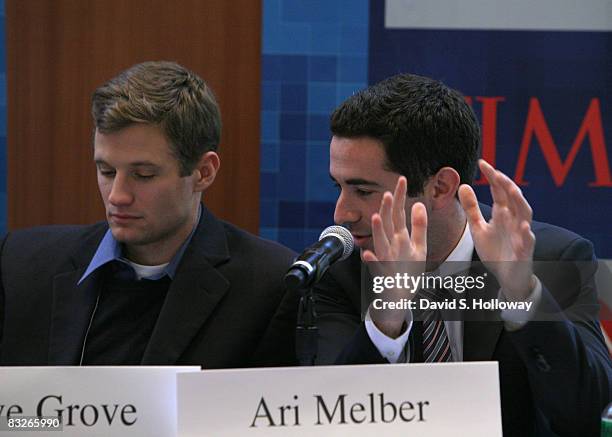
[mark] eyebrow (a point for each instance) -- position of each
(358, 181)
(132, 164)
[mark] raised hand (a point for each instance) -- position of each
(394, 243)
(505, 243)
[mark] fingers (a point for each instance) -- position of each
(368, 256)
(392, 209)
(399, 204)
(494, 178)
(418, 222)
(381, 242)
(386, 214)
(468, 200)
(524, 242)
(391, 238)
(517, 203)
(506, 193)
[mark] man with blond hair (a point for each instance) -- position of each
(161, 281)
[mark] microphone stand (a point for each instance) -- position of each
(335, 243)
(306, 330)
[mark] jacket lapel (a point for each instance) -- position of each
(73, 305)
(195, 291)
(482, 329)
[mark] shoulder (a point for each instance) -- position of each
(50, 241)
(553, 242)
(243, 244)
(340, 287)
(347, 269)
(254, 265)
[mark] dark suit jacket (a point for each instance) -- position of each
(554, 376)
(218, 311)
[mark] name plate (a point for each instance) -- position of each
(89, 401)
(391, 400)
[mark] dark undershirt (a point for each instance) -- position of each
(124, 319)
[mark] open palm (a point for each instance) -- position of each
(505, 243)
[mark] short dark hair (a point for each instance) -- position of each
(167, 95)
(423, 125)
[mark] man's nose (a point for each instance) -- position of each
(121, 193)
(345, 213)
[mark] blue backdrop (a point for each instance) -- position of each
(543, 97)
(315, 54)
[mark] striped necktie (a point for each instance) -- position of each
(436, 346)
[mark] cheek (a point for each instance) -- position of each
(372, 205)
(182, 193)
(104, 187)
(171, 196)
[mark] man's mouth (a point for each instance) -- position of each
(360, 240)
(120, 218)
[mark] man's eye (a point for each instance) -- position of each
(362, 193)
(107, 173)
(144, 176)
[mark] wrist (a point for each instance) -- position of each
(520, 292)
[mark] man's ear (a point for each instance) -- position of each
(444, 185)
(206, 171)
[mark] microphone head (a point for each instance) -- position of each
(344, 235)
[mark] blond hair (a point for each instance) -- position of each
(169, 96)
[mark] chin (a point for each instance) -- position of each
(126, 236)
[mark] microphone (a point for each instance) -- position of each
(335, 244)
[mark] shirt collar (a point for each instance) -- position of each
(464, 249)
(461, 256)
(110, 249)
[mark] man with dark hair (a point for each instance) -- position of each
(403, 154)
(162, 281)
